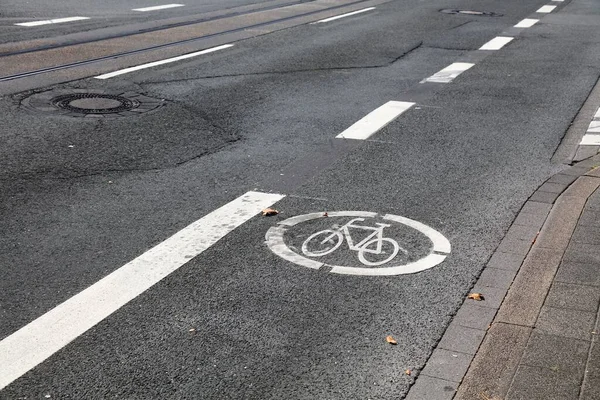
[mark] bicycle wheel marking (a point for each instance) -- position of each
(364, 234)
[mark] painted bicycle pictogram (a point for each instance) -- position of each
(375, 238)
(374, 243)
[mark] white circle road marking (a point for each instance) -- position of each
(440, 250)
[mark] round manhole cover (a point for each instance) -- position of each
(90, 103)
(474, 13)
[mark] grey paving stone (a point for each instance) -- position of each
(586, 235)
(493, 296)
(495, 277)
(530, 287)
(535, 383)
(589, 218)
(515, 246)
(561, 223)
(474, 316)
(532, 220)
(575, 171)
(556, 353)
(432, 388)
(508, 261)
(553, 187)
(462, 339)
(522, 232)
(544, 197)
(563, 178)
(535, 207)
(567, 323)
(584, 152)
(494, 365)
(573, 296)
(447, 365)
(582, 188)
(579, 273)
(590, 389)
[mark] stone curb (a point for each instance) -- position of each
(518, 273)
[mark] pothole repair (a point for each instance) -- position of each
(90, 103)
(473, 13)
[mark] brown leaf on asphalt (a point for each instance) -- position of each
(476, 296)
(269, 211)
(391, 340)
(326, 215)
(408, 372)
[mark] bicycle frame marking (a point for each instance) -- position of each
(441, 247)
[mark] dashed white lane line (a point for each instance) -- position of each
(546, 9)
(592, 135)
(154, 8)
(448, 74)
(527, 23)
(161, 62)
(375, 120)
(496, 43)
(344, 15)
(52, 21)
(35, 342)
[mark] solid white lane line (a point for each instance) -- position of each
(35, 342)
(375, 120)
(154, 8)
(448, 74)
(161, 62)
(344, 15)
(527, 23)
(546, 9)
(52, 21)
(496, 43)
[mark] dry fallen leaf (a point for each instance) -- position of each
(269, 211)
(408, 372)
(476, 296)
(326, 215)
(391, 340)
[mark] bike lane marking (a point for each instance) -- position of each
(41, 338)
(440, 249)
(375, 120)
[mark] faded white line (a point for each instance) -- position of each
(52, 21)
(161, 62)
(35, 342)
(448, 74)
(546, 9)
(344, 15)
(496, 43)
(375, 120)
(590, 139)
(154, 8)
(594, 127)
(527, 23)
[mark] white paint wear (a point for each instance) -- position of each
(35, 342)
(496, 43)
(375, 120)
(52, 21)
(161, 62)
(448, 74)
(344, 15)
(154, 8)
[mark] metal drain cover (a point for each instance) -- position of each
(90, 103)
(471, 12)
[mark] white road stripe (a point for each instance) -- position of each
(375, 120)
(558, 0)
(52, 21)
(448, 74)
(35, 342)
(594, 127)
(590, 140)
(527, 23)
(161, 62)
(154, 8)
(496, 43)
(344, 15)
(546, 9)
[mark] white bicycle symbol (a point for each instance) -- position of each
(334, 238)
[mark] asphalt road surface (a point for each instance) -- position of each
(135, 262)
